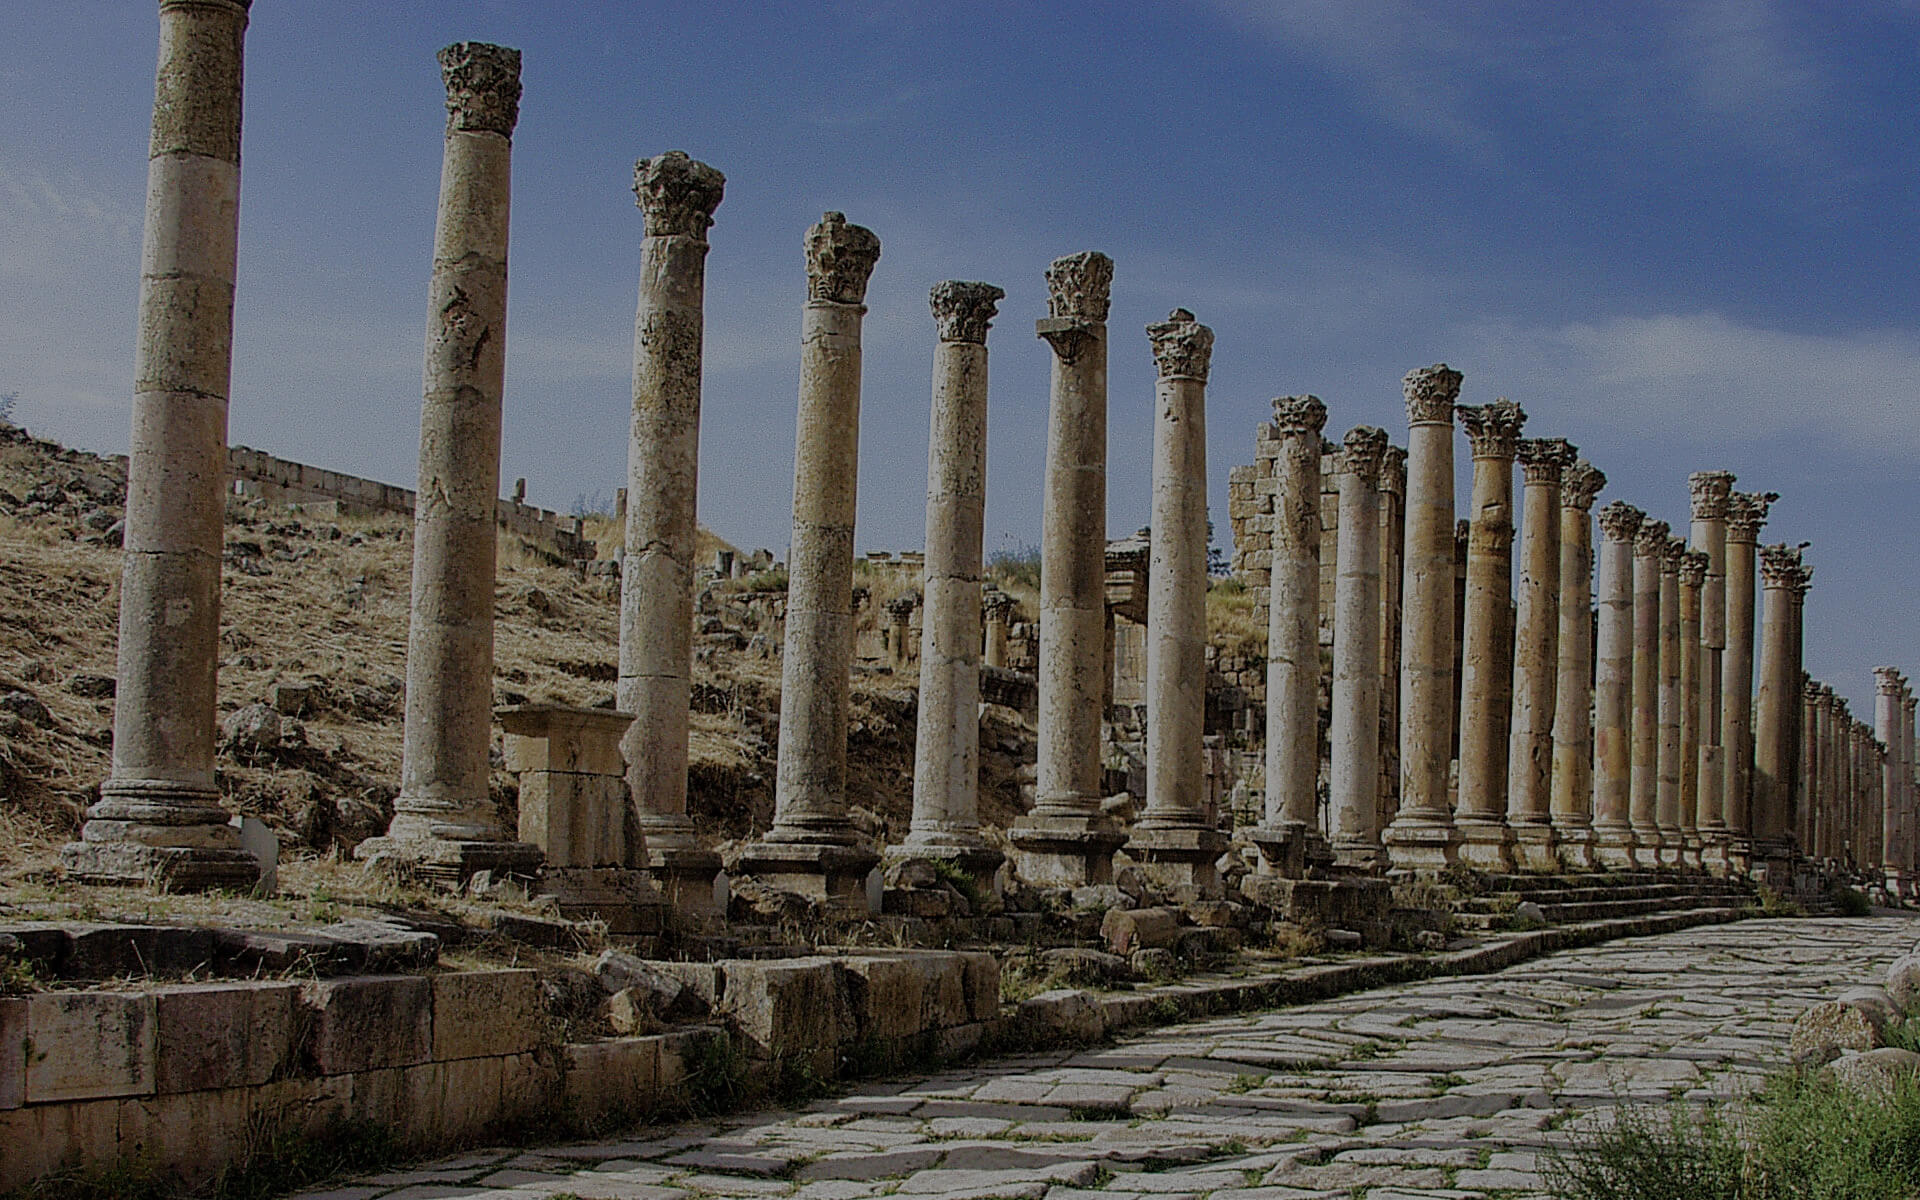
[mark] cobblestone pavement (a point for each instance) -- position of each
(1445, 1088)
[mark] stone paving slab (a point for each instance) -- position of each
(1451, 1087)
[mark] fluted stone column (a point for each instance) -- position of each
(1910, 830)
(899, 631)
(1666, 804)
(1887, 718)
(1065, 840)
(1649, 549)
(159, 817)
(1536, 644)
(1693, 578)
(999, 611)
(1289, 838)
(1866, 773)
(1354, 737)
(1486, 656)
(676, 197)
(1572, 798)
(1422, 836)
(813, 847)
(1613, 688)
(946, 757)
(1709, 495)
(1776, 719)
(1746, 513)
(444, 822)
(1174, 840)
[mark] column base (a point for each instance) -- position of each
(450, 861)
(1535, 848)
(978, 861)
(1574, 847)
(1291, 849)
(169, 868)
(1615, 848)
(1716, 852)
(1064, 851)
(835, 876)
(1672, 849)
(1692, 847)
(1357, 902)
(160, 833)
(1484, 843)
(623, 897)
(1181, 857)
(683, 877)
(1421, 842)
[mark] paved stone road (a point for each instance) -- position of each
(1447, 1088)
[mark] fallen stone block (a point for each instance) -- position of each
(1127, 930)
(13, 1052)
(1822, 1032)
(788, 1006)
(1875, 1073)
(1064, 1014)
(376, 946)
(1903, 982)
(117, 951)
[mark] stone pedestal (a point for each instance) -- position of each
(1486, 654)
(1289, 837)
(1693, 576)
(1746, 513)
(677, 197)
(159, 818)
(1065, 840)
(444, 825)
(1536, 645)
(1572, 799)
(813, 848)
(1355, 733)
(1666, 794)
(1613, 690)
(1422, 836)
(1710, 496)
(946, 760)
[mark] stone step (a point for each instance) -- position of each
(1600, 910)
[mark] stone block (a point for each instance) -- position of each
(1064, 1014)
(895, 996)
(116, 951)
(13, 1052)
(89, 1045)
(1875, 1073)
(1822, 1032)
(1903, 982)
(788, 1006)
(530, 1084)
(1128, 929)
(369, 1022)
(610, 1081)
(223, 1035)
(450, 1102)
(980, 978)
(480, 1014)
(191, 1136)
(39, 1140)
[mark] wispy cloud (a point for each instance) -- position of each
(1747, 74)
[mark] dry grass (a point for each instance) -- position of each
(1232, 623)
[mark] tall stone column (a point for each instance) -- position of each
(1649, 549)
(1174, 840)
(1613, 688)
(1776, 719)
(1693, 577)
(1065, 840)
(1814, 702)
(1746, 513)
(1866, 781)
(1392, 487)
(1848, 823)
(946, 757)
(159, 818)
(999, 610)
(1289, 838)
(1536, 645)
(676, 197)
(1422, 836)
(1572, 798)
(1910, 832)
(1797, 744)
(1486, 657)
(1710, 493)
(1666, 804)
(1887, 718)
(813, 848)
(1354, 785)
(444, 824)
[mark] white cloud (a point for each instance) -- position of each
(1747, 77)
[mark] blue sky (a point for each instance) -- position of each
(1680, 234)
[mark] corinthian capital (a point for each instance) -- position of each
(1493, 429)
(1580, 484)
(1079, 287)
(1693, 568)
(1545, 460)
(840, 258)
(1673, 556)
(1620, 520)
(1887, 681)
(1710, 491)
(1298, 416)
(1182, 346)
(1362, 453)
(1651, 541)
(483, 87)
(1393, 471)
(677, 194)
(1746, 513)
(1779, 565)
(963, 311)
(1431, 393)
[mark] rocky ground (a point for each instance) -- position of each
(1450, 1089)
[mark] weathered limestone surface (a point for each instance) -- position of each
(813, 847)
(1746, 513)
(1666, 794)
(1711, 494)
(1649, 551)
(159, 814)
(1572, 800)
(1355, 732)
(946, 759)
(1536, 655)
(1613, 688)
(677, 197)
(1422, 835)
(1486, 657)
(1175, 839)
(443, 819)
(1777, 718)
(1065, 840)
(1693, 654)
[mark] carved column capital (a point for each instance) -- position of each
(1493, 429)
(1710, 492)
(1671, 555)
(1393, 471)
(963, 311)
(1779, 565)
(901, 608)
(483, 87)
(1580, 484)
(1079, 287)
(1298, 416)
(1545, 460)
(1651, 540)
(1431, 393)
(1811, 691)
(1746, 513)
(1693, 568)
(1362, 453)
(840, 258)
(677, 194)
(1620, 520)
(1887, 681)
(1182, 347)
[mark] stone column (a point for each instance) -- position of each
(1392, 487)
(1909, 833)
(1649, 548)
(1814, 701)
(1709, 493)
(946, 754)
(676, 197)
(1693, 577)
(444, 824)
(1613, 688)
(1572, 799)
(899, 631)
(813, 847)
(1289, 838)
(1666, 803)
(1746, 513)
(159, 818)
(999, 608)
(1536, 647)
(1065, 840)
(1174, 840)
(1887, 718)
(1798, 746)
(1776, 719)
(1354, 785)
(1847, 825)
(1486, 652)
(1866, 774)
(1422, 836)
